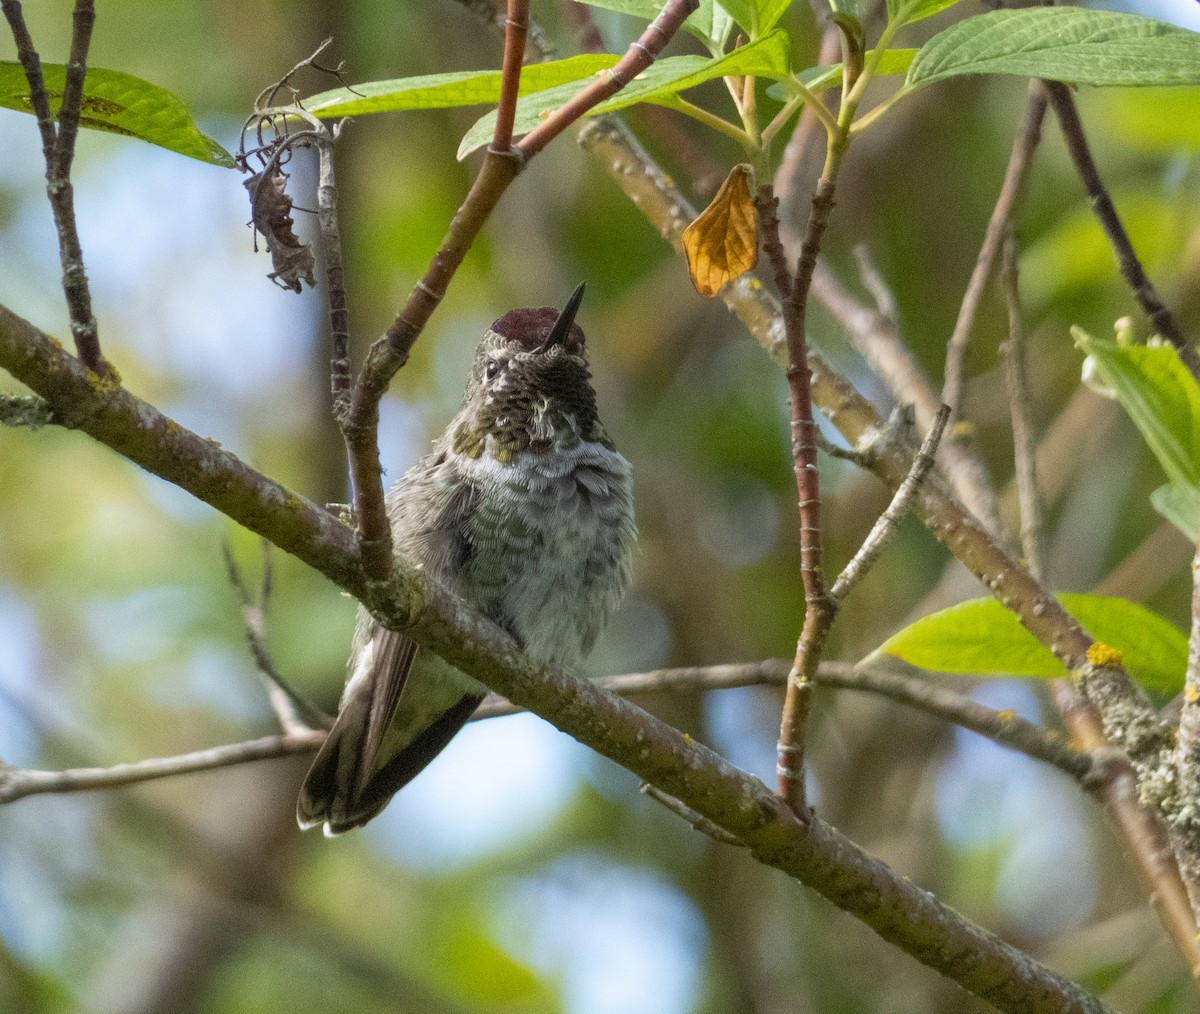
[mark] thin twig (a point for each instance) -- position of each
(295, 713)
(1019, 162)
(321, 136)
(919, 692)
(16, 783)
(875, 334)
(700, 823)
(820, 610)
(1012, 352)
(882, 530)
(1131, 268)
(58, 150)
(335, 280)
(391, 351)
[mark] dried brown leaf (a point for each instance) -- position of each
(722, 243)
(271, 210)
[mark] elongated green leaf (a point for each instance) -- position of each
(745, 13)
(982, 637)
(769, 13)
(1062, 44)
(908, 11)
(710, 22)
(1179, 503)
(768, 57)
(1163, 400)
(647, 10)
(119, 104)
(1159, 394)
(661, 82)
(817, 79)
(439, 91)
(851, 7)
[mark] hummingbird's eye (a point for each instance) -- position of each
(492, 369)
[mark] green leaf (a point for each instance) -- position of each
(1163, 400)
(851, 7)
(818, 79)
(1179, 503)
(647, 10)
(1161, 397)
(909, 11)
(769, 13)
(119, 104)
(710, 22)
(893, 61)
(1062, 44)
(745, 13)
(983, 638)
(661, 82)
(440, 91)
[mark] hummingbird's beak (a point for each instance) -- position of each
(562, 327)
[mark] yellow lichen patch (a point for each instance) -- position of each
(1102, 654)
(1191, 693)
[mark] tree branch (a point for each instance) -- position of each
(16, 783)
(58, 149)
(1019, 163)
(1147, 296)
(812, 852)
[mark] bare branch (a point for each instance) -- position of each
(1019, 162)
(16, 783)
(875, 335)
(699, 823)
(869, 551)
(58, 149)
(295, 713)
(1131, 268)
(918, 692)
(1012, 352)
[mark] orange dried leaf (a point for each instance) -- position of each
(722, 243)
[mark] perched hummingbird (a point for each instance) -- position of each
(524, 509)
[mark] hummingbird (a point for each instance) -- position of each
(523, 508)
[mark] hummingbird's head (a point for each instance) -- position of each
(530, 390)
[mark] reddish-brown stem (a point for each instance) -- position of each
(1019, 162)
(637, 58)
(389, 353)
(819, 609)
(1131, 268)
(516, 27)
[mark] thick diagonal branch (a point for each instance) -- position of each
(812, 852)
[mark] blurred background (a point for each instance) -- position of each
(520, 872)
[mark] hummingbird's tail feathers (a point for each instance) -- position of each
(334, 793)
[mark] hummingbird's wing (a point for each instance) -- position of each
(383, 735)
